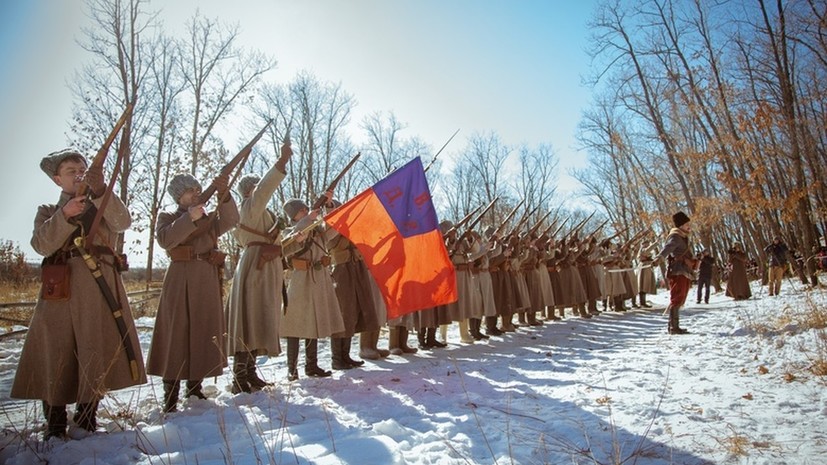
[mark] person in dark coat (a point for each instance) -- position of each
(705, 276)
(778, 254)
(737, 285)
(680, 269)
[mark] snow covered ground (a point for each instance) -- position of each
(610, 390)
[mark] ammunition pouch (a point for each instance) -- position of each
(54, 278)
(266, 253)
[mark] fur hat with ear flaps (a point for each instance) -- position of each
(292, 207)
(680, 219)
(247, 184)
(51, 162)
(445, 226)
(180, 183)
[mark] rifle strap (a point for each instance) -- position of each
(270, 236)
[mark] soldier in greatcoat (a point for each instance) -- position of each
(253, 309)
(646, 271)
(312, 310)
(188, 340)
(356, 300)
(74, 352)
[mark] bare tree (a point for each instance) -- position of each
(218, 75)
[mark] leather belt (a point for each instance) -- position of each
(302, 265)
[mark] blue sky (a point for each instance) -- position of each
(512, 67)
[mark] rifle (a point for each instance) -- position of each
(238, 162)
(575, 230)
(477, 220)
(462, 222)
(507, 218)
(319, 203)
(440, 150)
(523, 219)
(617, 233)
(100, 156)
(556, 230)
(597, 229)
(534, 228)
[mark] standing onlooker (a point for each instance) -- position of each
(253, 309)
(188, 340)
(74, 351)
(737, 285)
(679, 271)
(705, 276)
(778, 253)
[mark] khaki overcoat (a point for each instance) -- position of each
(73, 350)
(253, 307)
(312, 310)
(188, 340)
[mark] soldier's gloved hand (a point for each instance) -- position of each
(222, 186)
(94, 179)
(286, 153)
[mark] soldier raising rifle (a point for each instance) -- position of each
(74, 351)
(188, 342)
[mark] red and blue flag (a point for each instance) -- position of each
(394, 226)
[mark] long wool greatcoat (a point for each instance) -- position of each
(253, 308)
(502, 283)
(73, 350)
(312, 310)
(646, 272)
(188, 341)
(485, 281)
(737, 285)
(353, 287)
(467, 292)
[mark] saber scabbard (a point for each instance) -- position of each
(114, 305)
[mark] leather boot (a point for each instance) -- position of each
(292, 358)
(393, 341)
(56, 421)
(508, 325)
(464, 334)
(674, 321)
(86, 415)
(403, 341)
(581, 310)
(240, 376)
(421, 335)
(643, 302)
(431, 339)
(337, 359)
(311, 359)
(367, 348)
(491, 326)
(619, 304)
(346, 342)
(171, 388)
(256, 383)
(194, 389)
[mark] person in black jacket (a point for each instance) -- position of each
(778, 254)
(705, 275)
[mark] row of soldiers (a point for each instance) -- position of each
(299, 282)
